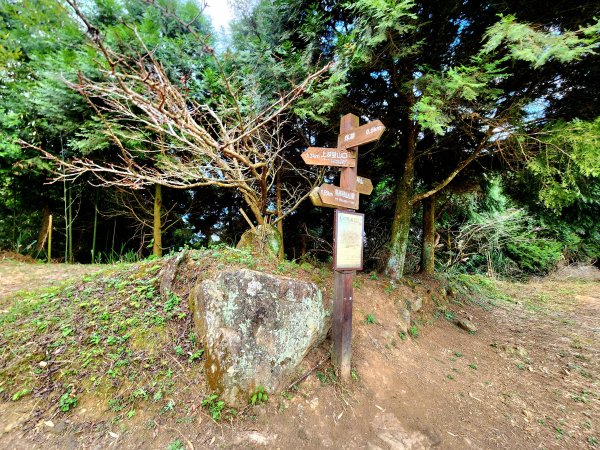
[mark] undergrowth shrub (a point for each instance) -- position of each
(485, 234)
(535, 255)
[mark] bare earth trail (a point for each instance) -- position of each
(528, 378)
(21, 276)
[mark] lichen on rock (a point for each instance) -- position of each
(256, 329)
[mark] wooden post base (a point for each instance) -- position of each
(342, 324)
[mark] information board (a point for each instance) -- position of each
(348, 240)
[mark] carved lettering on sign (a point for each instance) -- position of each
(317, 156)
(336, 196)
(362, 135)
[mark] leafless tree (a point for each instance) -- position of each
(224, 143)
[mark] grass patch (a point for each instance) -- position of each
(370, 319)
(107, 336)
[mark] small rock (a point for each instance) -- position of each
(434, 437)
(49, 424)
(327, 442)
(302, 434)
(521, 351)
(264, 240)
(59, 427)
(418, 304)
(43, 364)
(11, 426)
(515, 350)
(404, 321)
(70, 443)
(414, 304)
(467, 325)
(255, 438)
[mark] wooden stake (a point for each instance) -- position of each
(342, 303)
(50, 238)
(248, 220)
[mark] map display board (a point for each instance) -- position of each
(348, 240)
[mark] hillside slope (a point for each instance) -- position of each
(109, 361)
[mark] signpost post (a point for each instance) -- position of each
(344, 291)
(348, 225)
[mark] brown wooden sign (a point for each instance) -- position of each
(316, 200)
(338, 157)
(336, 196)
(364, 134)
(364, 186)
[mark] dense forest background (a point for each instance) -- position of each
(141, 134)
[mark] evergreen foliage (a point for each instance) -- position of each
(491, 109)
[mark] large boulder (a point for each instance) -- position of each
(265, 240)
(256, 329)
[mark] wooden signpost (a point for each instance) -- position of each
(316, 156)
(355, 136)
(364, 186)
(348, 225)
(336, 196)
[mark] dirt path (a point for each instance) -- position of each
(18, 276)
(528, 378)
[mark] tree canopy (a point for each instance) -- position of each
(483, 102)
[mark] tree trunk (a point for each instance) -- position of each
(49, 238)
(258, 215)
(95, 228)
(428, 243)
(70, 191)
(303, 244)
(157, 228)
(14, 219)
(43, 231)
(66, 208)
(402, 215)
(399, 233)
(281, 255)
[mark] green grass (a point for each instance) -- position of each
(176, 445)
(327, 376)
(110, 334)
(414, 331)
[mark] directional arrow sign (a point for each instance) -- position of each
(337, 157)
(364, 186)
(336, 196)
(316, 200)
(364, 134)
